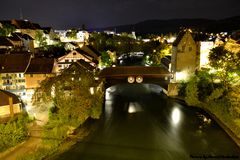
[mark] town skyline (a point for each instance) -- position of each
(95, 14)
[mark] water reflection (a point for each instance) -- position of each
(176, 116)
(141, 124)
(134, 107)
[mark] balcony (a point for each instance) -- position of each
(7, 84)
(6, 78)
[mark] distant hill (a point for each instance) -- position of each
(174, 25)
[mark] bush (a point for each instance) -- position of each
(14, 132)
(192, 92)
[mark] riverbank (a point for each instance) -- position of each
(28, 146)
(79, 134)
(44, 151)
(214, 116)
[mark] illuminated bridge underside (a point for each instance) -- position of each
(154, 75)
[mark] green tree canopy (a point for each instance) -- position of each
(71, 96)
(72, 33)
(7, 29)
(41, 39)
(226, 65)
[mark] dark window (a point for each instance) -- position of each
(183, 47)
(190, 49)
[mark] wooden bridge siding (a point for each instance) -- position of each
(123, 80)
(133, 70)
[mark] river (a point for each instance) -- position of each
(140, 123)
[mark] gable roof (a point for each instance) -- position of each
(91, 51)
(85, 54)
(14, 63)
(82, 64)
(14, 37)
(40, 65)
(85, 64)
(24, 36)
(5, 98)
(179, 38)
(195, 35)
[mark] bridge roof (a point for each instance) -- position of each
(134, 71)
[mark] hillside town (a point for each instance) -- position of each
(31, 54)
(25, 63)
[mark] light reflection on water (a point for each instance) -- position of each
(176, 116)
(140, 124)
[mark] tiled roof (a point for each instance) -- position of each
(40, 65)
(5, 98)
(5, 42)
(24, 36)
(84, 53)
(14, 37)
(14, 63)
(91, 51)
(85, 64)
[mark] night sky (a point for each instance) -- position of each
(63, 14)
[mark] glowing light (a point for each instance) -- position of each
(176, 116)
(204, 53)
(235, 74)
(91, 90)
(131, 79)
(107, 96)
(139, 79)
(131, 109)
(171, 39)
(181, 76)
(134, 107)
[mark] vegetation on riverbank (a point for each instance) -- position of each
(14, 131)
(71, 98)
(217, 89)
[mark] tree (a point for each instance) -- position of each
(72, 33)
(70, 95)
(41, 39)
(226, 65)
(156, 51)
(7, 30)
(98, 41)
(105, 59)
(192, 92)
